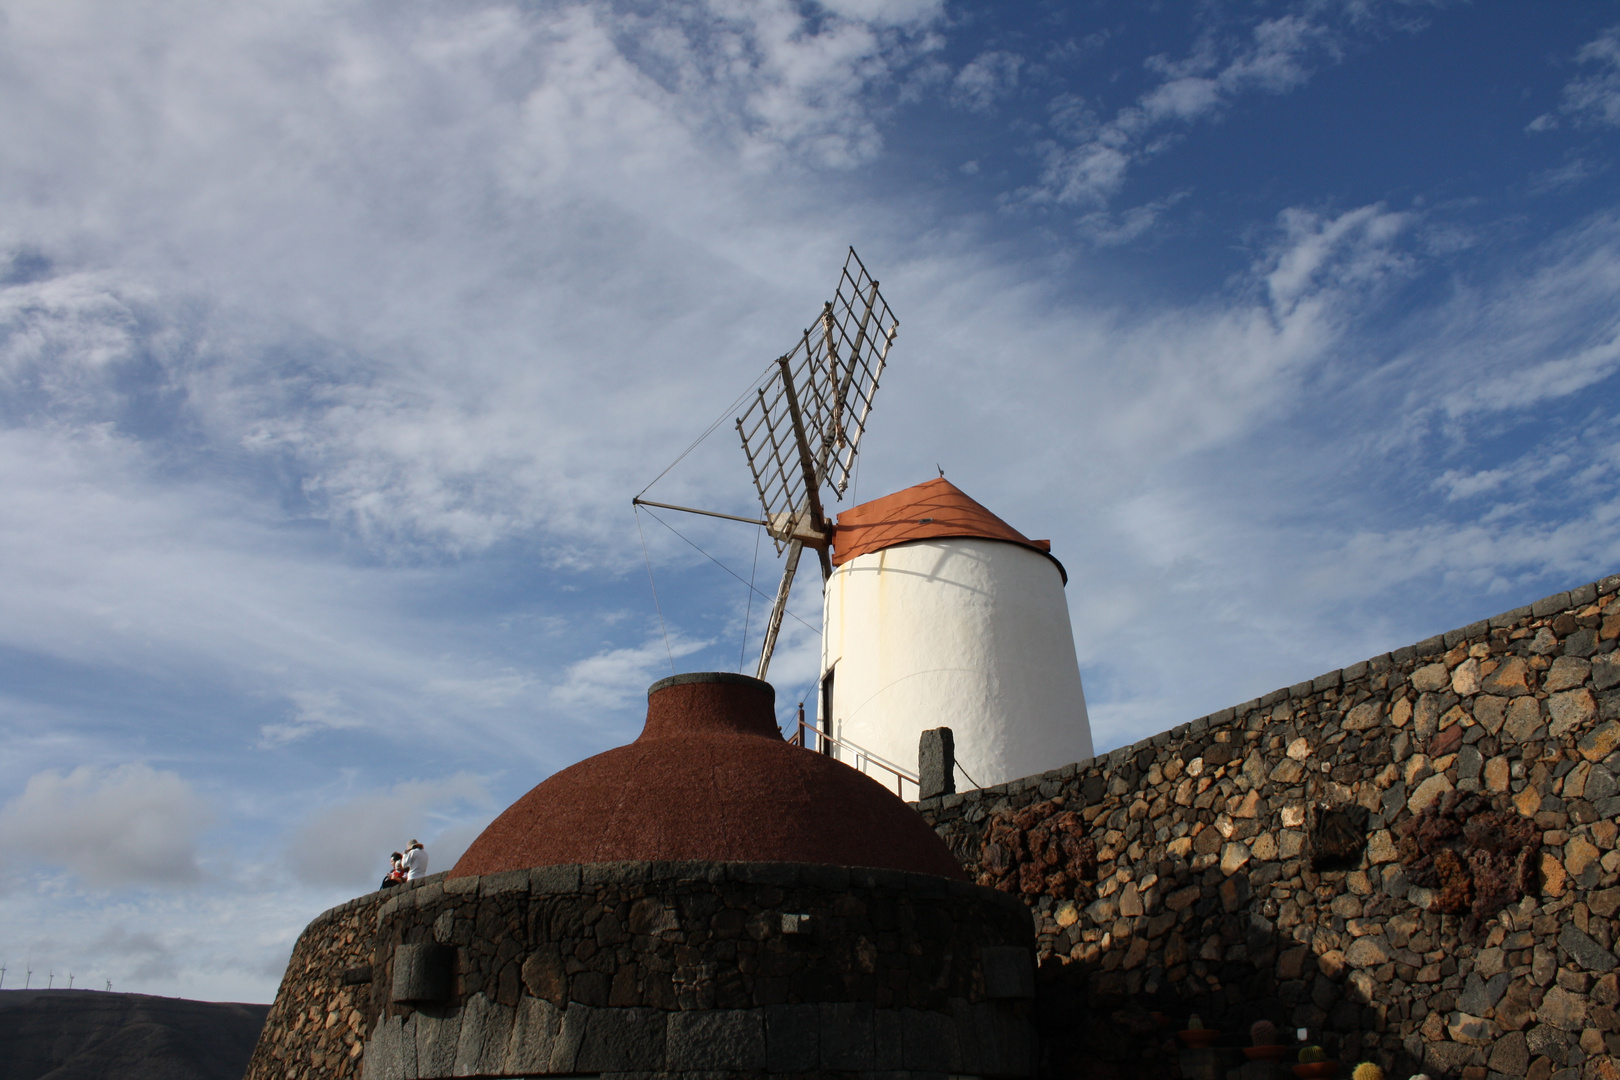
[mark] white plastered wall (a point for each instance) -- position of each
(968, 634)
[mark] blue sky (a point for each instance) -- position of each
(335, 339)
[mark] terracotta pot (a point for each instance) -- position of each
(1273, 1052)
(1316, 1070)
(1200, 1038)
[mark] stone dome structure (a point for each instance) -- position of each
(710, 779)
(707, 903)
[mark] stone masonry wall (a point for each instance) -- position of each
(318, 1024)
(1415, 857)
(719, 969)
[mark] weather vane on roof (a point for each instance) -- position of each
(802, 430)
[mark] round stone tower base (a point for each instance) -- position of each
(712, 969)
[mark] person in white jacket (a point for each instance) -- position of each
(416, 861)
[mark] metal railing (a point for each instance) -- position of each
(859, 758)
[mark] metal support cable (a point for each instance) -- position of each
(720, 564)
(656, 605)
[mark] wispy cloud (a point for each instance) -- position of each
(129, 825)
(347, 843)
(986, 79)
(1591, 98)
(1090, 164)
(333, 342)
(614, 678)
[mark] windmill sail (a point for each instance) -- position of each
(803, 429)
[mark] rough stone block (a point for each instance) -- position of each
(1570, 710)
(1550, 605)
(423, 972)
(936, 763)
(570, 1035)
(1509, 618)
(508, 881)
(1510, 1056)
(1606, 671)
(382, 1053)
(1586, 952)
(1364, 716)
(1600, 743)
(481, 1043)
(927, 1041)
(1562, 1009)
(618, 1040)
(1006, 1045)
(615, 873)
(1009, 972)
(1470, 1030)
(886, 1039)
(534, 1028)
(847, 1035)
(830, 878)
(1584, 595)
(554, 880)
(436, 1041)
(726, 1039)
(1431, 677)
(792, 1038)
(1523, 719)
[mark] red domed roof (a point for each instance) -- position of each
(710, 779)
(932, 510)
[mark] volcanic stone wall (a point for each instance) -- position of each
(317, 1026)
(1415, 857)
(719, 969)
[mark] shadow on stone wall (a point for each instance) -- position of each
(1305, 858)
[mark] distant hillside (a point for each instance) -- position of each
(91, 1035)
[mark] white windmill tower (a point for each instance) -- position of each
(938, 613)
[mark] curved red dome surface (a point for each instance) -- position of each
(710, 779)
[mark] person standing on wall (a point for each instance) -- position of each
(416, 861)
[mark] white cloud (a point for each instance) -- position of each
(1278, 55)
(1351, 250)
(614, 678)
(347, 843)
(1594, 97)
(986, 79)
(127, 825)
(1107, 228)
(334, 341)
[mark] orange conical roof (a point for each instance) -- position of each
(928, 511)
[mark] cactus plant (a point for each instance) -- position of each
(1264, 1033)
(1194, 1023)
(1367, 1071)
(1311, 1055)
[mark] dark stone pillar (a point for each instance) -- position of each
(936, 763)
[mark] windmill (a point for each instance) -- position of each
(802, 429)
